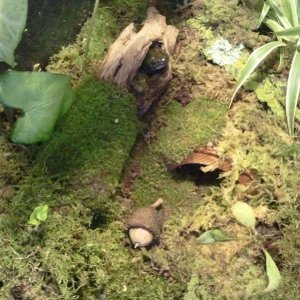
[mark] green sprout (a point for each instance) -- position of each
(39, 215)
(282, 17)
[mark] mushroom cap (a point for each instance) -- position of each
(140, 237)
(144, 226)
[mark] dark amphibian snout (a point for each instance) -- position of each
(156, 60)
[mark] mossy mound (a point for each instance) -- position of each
(79, 252)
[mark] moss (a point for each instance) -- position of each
(110, 19)
(185, 130)
(256, 141)
(12, 163)
(76, 173)
(100, 126)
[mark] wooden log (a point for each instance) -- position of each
(127, 53)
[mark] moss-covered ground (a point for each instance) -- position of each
(101, 163)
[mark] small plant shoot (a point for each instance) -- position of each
(39, 215)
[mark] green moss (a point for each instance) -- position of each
(97, 134)
(76, 174)
(186, 129)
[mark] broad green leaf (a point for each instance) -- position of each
(272, 273)
(264, 13)
(256, 57)
(213, 236)
(292, 92)
(39, 214)
(13, 14)
(294, 31)
(244, 214)
(43, 98)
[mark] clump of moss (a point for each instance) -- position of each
(12, 163)
(72, 255)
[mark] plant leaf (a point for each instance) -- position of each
(39, 214)
(13, 14)
(256, 57)
(213, 236)
(293, 11)
(294, 31)
(292, 93)
(276, 27)
(43, 97)
(272, 273)
(264, 13)
(282, 13)
(244, 214)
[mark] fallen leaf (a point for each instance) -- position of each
(207, 159)
(244, 214)
(213, 236)
(272, 273)
(246, 177)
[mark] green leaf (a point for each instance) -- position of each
(292, 93)
(293, 11)
(213, 236)
(282, 12)
(256, 57)
(39, 214)
(13, 14)
(276, 27)
(264, 13)
(294, 31)
(244, 214)
(281, 60)
(43, 98)
(272, 273)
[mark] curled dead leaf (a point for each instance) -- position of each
(207, 159)
(246, 177)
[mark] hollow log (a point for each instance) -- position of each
(126, 55)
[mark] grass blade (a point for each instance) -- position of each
(276, 27)
(281, 60)
(264, 13)
(292, 92)
(295, 31)
(294, 13)
(282, 13)
(256, 57)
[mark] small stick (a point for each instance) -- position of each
(157, 203)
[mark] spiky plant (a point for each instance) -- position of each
(282, 17)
